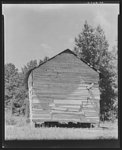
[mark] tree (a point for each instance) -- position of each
(113, 65)
(15, 92)
(11, 82)
(22, 95)
(40, 61)
(30, 65)
(45, 59)
(92, 46)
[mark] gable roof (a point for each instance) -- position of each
(65, 51)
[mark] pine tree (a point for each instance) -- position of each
(92, 46)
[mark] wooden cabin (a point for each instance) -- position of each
(64, 89)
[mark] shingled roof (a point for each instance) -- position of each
(65, 51)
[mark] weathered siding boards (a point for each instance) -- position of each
(83, 76)
(61, 80)
(50, 97)
(56, 91)
(82, 66)
(65, 75)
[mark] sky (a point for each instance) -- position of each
(33, 31)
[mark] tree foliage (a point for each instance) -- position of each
(16, 95)
(11, 82)
(45, 59)
(92, 46)
(40, 61)
(30, 65)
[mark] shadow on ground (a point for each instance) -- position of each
(64, 125)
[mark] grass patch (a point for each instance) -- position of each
(28, 132)
(18, 128)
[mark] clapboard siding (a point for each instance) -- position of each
(59, 90)
(59, 85)
(66, 65)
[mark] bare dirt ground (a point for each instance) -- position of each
(20, 130)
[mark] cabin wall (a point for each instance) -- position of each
(60, 93)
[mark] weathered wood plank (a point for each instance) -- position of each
(40, 100)
(55, 95)
(66, 120)
(59, 108)
(41, 110)
(85, 107)
(82, 92)
(42, 83)
(57, 119)
(40, 117)
(63, 88)
(90, 114)
(59, 87)
(69, 106)
(42, 106)
(89, 109)
(70, 118)
(64, 109)
(64, 80)
(48, 99)
(69, 94)
(66, 116)
(67, 112)
(68, 102)
(62, 94)
(66, 69)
